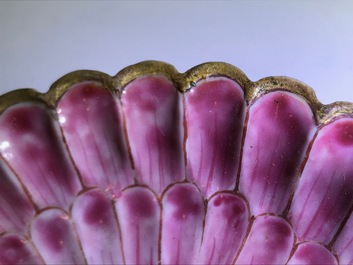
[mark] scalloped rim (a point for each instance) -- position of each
(183, 82)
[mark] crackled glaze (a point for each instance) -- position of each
(156, 167)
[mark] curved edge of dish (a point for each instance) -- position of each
(324, 113)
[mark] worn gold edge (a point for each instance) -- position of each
(59, 87)
(183, 81)
(145, 68)
(210, 69)
(20, 95)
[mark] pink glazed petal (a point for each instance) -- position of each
(15, 250)
(270, 241)
(97, 228)
(182, 218)
(325, 192)
(215, 111)
(92, 125)
(344, 243)
(139, 216)
(35, 151)
(154, 117)
(54, 236)
(310, 253)
(279, 129)
(226, 223)
(16, 210)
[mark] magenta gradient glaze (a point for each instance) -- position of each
(147, 174)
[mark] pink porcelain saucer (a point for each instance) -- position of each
(152, 166)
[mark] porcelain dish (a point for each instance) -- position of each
(153, 166)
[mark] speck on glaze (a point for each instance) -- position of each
(156, 167)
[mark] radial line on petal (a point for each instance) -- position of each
(253, 179)
(160, 167)
(44, 179)
(214, 157)
(111, 257)
(245, 126)
(111, 178)
(14, 213)
(127, 141)
(110, 146)
(119, 230)
(306, 202)
(78, 239)
(302, 166)
(340, 228)
(343, 221)
(7, 216)
(97, 150)
(150, 175)
(67, 149)
(346, 247)
(126, 138)
(29, 192)
(24, 188)
(267, 177)
(213, 248)
(178, 250)
(138, 244)
(85, 157)
(317, 210)
(201, 159)
(68, 162)
(275, 188)
(102, 257)
(248, 230)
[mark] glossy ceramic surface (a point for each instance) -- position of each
(156, 167)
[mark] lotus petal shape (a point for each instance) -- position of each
(152, 166)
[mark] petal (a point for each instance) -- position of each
(227, 220)
(92, 125)
(182, 217)
(310, 253)
(53, 235)
(343, 245)
(153, 112)
(16, 210)
(270, 241)
(33, 147)
(279, 129)
(214, 117)
(97, 228)
(16, 250)
(325, 191)
(139, 216)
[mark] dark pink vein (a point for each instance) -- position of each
(199, 173)
(213, 158)
(138, 244)
(303, 207)
(317, 212)
(98, 151)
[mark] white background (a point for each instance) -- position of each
(308, 40)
